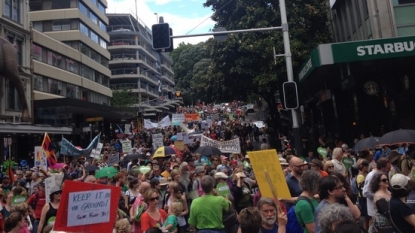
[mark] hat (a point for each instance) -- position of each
(163, 181)
(283, 162)
(199, 169)
(220, 168)
(240, 174)
(246, 156)
(55, 189)
(148, 154)
(175, 165)
(399, 181)
(221, 175)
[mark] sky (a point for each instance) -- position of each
(182, 15)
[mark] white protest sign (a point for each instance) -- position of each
(157, 140)
(126, 146)
(231, 146)
(89, 207)
(204, 125)
(186, 139)
(38, 156)
(50, 182)
(96, 153)
(178, 118)
(113, 159)
(179, 136)
(209, 122)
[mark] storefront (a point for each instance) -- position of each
(359, 87)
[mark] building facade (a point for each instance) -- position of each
(363, 83)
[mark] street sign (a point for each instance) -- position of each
(9, 141)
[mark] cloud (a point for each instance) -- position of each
(181, 24)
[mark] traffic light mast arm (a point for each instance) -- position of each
(229, 32)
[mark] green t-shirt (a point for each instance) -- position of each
(206, 212)
(171, 219)
(305, 213)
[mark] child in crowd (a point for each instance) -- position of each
(175, 209)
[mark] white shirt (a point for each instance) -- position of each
(368, 193)
(338, 166)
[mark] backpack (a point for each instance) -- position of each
(293, 226)
(353, 186)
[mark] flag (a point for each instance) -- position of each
(67, 148)
(10, 173)
(49, 151)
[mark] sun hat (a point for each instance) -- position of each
(221, 175)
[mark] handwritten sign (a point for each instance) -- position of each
(157, 140)
(126, 146)
(113, 159)
(96, 153)
(86, 207)
(267, 160)
(89, 207)
(50, 182)
(40, 158)
(231, 146)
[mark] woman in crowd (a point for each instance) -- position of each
(132, 191)
(331, 215)
(329, 167)
(318, 166)
(402, 217)
(379, 186)
(241, 191)
(23, 209)
(8, 205)
(363, 167)
(199, 172)
(154, 216)
(14, 223)
(50, 210)
(175, 176)
(175, 195)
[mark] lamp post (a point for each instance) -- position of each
(90, 132)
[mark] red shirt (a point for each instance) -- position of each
(148, 222)
(41, 201)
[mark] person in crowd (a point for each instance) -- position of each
(264, 144)
(23, 209)
(347, 226)
(139, 207)
(317, 165)
(36, 202)
(90, 179)
(175, 210)
(337, 161)
(363, 167)
(153, 216)
(50, 210)
(206, 211)
(34, 181)
(122, 226)
(241, 191)
(329, 167)
(8, 204)
(402, 218)
(293, 179)
(331, 215)
(250, 220)
(5, 184)
(14, 223)
(154, 230)
(410, 200)
(199, 172)
(379, 187)
(303, 210)
(132, 191)
(272, 221)
(330, 191)
(175, 176)
(350, 198)
(383, 166)
(173, 195)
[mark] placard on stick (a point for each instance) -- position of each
(267, 160)
(87, 207)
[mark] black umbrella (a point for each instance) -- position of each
(366, 143)
(398, 137)
(91, 168)
(135, 156)
(208, 150)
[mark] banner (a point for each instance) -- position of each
(67, 148)
(176, 119)
(86, 207)
(186, 130)
(96, 153)
(126, 146)
(192, 116)
(165, 122)
(113, 159)
(157, 140)
(231, 146)
(41, 160)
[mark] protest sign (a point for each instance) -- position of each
(267, 160)
(96, 153)
(87, 207)
(113, 159)
(231, 146)
(40, 158)
(157, 140)
(50, 182)
(179, 136)
(126, 146)
(176, 119)
(186, 139)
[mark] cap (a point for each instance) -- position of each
(221, 175)
(55, 189)
(240, 174)
(399, 181)
(163, 181)
(148, 154)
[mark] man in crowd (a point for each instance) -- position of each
(206, 211)
(293, 179)
(271, 222)
(36, 203)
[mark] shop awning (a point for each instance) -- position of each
(35, 129)
(329, 54)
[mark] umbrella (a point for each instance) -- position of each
(91, 168)
(134, 156)
(173, 138)
(108, 172)
(176, 150)
(208, 150)
(397, 137)
(369, 142)
(163, 152)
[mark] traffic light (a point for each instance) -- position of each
(290, 95)
(178, 94)
(161, 36)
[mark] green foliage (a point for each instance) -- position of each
(124, 99)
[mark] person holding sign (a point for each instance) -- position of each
(50, 210)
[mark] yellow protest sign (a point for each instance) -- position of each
(179, 145)
(267, 160)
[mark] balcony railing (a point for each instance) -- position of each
(122, 86)
(123, 56)
(122, 42)
(122, 28)
(123, 71)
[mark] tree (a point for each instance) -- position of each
(124, 99)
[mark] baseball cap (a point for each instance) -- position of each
(221, 175)
(399, 181)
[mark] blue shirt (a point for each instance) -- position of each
(273, 230)
(293, 185)
(320, 206)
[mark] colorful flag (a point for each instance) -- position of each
(10, 173)
(67, 148)
(49, 151)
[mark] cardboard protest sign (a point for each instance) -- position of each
(157, 140)
(267, 160)
(96, 153)
(179, 145)
(113, 159)
(87, 207)
(126, 146)
(40, 158)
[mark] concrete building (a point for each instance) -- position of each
(364, 82)
(136, 66)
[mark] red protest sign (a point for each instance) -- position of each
(87, 207)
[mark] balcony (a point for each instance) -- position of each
(122, 29)
(119, 42)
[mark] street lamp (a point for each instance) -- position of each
(90, 132)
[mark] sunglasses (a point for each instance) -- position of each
(330, 166)
(154, 199)
(60, 192)
(384, 180)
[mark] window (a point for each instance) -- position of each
(94, 37)
(93, 18)
(7, 8)
(72, 66)
(83, 29)
(101, 8)
(13, 102)
(12, 9)
(104, 61)
(103, 43)
(72, 91)
(102, 26)
(86, 72)
(16, 10)
(38, 25)
(59, 4)
(37, 52)
(66, 24)
(56, 25)
(85, 49)
(95, 56)
(94, 2)
(83, 9)
(55, 86)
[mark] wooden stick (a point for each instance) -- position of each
(274, 193)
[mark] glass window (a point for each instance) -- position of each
(56, 25)
(95, 56)
(7, 8)
(83, 9)
(38, 82)
(72, 66)
(94, 2)
(66, 24)
(72, 91)
(85, 49)
(49, 57)
(94, 37)
(16, 10)
(104, 61)
(83, 29)
(93, 18)
(38, 25)
(101, 8)
(37, 52)
(55, 86)
(102, 26)
(86, 72)
(103, 43)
